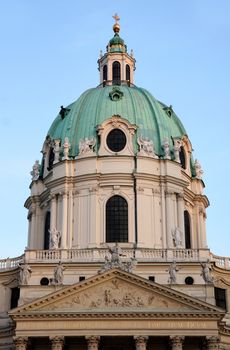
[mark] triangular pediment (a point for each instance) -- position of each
(115, 291)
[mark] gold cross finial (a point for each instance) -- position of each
(116, 17)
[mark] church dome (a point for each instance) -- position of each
(153, 119)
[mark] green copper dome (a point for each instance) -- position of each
(152, 118)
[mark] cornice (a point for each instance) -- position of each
(184, 316)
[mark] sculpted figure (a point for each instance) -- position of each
(146, 147)
(176, 148)
(166, 149)
(55, 237)
(115, 252)
(35, 171)
(25, 273)
(86, 145)
(129, 265)
(58, 273)
(56, 150)
(176, 234)
(66, 148)
(172, 273)
(198, 169)
(206, 272)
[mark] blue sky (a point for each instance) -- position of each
(49, 52)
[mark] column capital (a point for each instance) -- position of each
(92, 342)
(57, 342)
(20, 343)
(141, 342)
(176, 342)
(213, 342)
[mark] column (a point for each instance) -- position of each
(53, 212)
(169, 218)
(141, 342)
(20, 343)
(176, 342)
(92, 342)
(180, 215)
(64, 220)
(57, 342)
(213, 343)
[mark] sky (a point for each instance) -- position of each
(49, 52)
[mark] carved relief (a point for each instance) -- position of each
(86, 146)
(115, 294)
(146, 147)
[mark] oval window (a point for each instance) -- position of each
(116, 140)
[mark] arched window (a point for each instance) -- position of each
(127, 72)
(187, 230)
(116, 73)
(116, 220)
(105, 72)
(182, 156)
(46, 231)
(51, 159)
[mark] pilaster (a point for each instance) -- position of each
(180, 215)
(64, 219)
(169, 218)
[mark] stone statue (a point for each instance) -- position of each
(129, 265)
(25, 273)
(35, 171)
(58, 273)
(116, 253)
(176, 148)
(166, 148)
(198, 169)
(55, 237)
(172, 273)
(86, 145)
(66, 148)
(115, 261)
(56, 150)
(176, 235)
(146, 147)
(206, 272)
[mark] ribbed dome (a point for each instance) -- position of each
(153, 119)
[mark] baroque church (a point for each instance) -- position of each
(117, 257)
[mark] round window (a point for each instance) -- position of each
(189, 280)
(116, 140)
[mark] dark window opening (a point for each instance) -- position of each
(81, 278)
(152, 278)
(127, 72)
(51, 159)
(116, 220)
(189, 280)
(116, 140)
(47, 233)
(220, 296)
(44, 281)
(15, 294)
(182, 157)
(105, 73)
(187, 230)
(116, 73)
